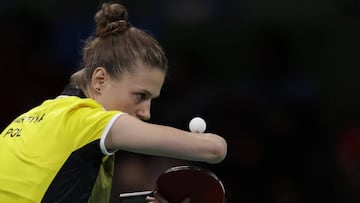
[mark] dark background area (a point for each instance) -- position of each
(278, 79)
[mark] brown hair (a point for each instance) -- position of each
(117, 46)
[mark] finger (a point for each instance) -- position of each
(160, 198)
(150, 199)
(186, 200)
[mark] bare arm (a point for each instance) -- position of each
(131, 134)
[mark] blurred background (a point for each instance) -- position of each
(278, 79)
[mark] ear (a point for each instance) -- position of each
(99, 78)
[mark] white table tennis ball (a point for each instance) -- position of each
(197, 125)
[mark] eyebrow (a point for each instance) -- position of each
(153, 96)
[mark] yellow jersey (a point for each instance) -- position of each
(53, 152)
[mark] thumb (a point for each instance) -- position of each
(186, 200)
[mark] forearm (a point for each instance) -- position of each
(133, 135)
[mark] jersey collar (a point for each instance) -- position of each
(72, 91)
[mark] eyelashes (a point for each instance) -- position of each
(141, 96)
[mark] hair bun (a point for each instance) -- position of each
(111, 19)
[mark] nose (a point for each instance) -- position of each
(143, 112)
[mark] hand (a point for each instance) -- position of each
(157, 198)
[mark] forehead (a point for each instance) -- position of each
(145, 78)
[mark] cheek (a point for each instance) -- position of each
(116, 99)
(126, 105)
(113, 102)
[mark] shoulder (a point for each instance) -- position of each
(71, 102)
(69, 106)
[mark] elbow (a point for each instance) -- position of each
(218, 152)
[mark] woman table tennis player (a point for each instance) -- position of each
(58, 151)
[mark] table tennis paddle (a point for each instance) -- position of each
(179, 182)
(198, 184)
(135, 197)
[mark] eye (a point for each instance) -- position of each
(141, 96)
